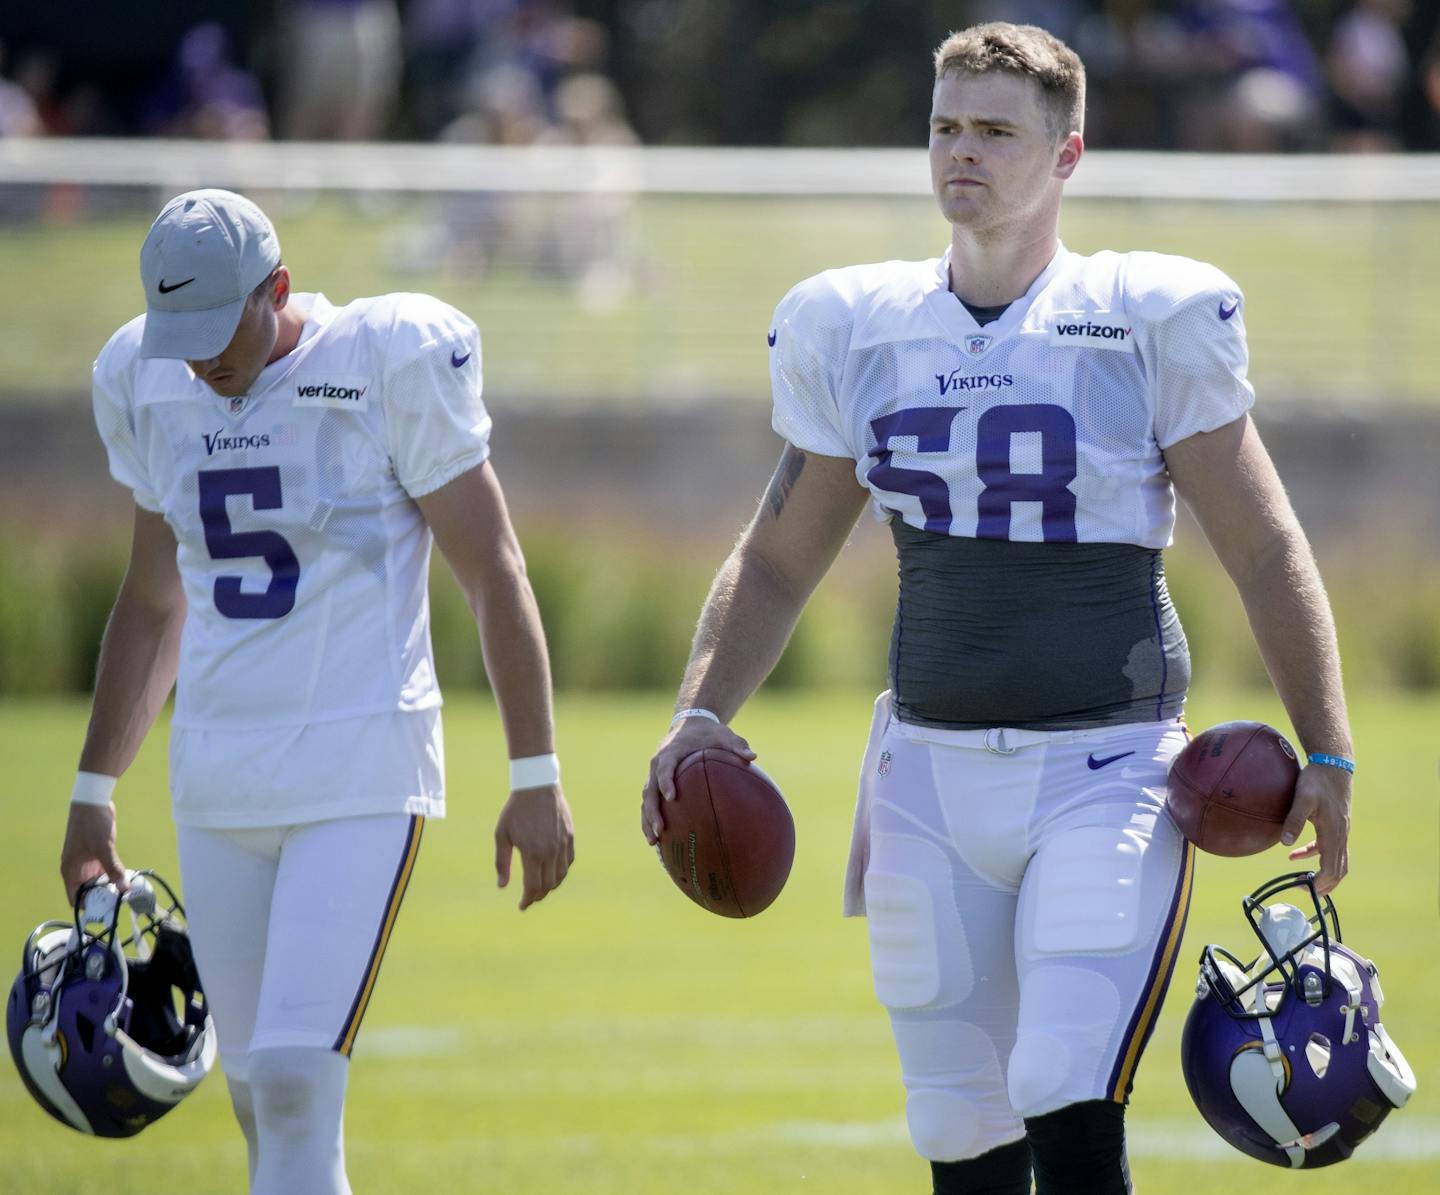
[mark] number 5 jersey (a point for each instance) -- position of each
(306, 686)
(1021, 467)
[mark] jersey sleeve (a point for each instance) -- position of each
(1201, 358)
(437, 426)
(809, 338)
(111, 397)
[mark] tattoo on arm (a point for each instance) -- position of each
(787, 473)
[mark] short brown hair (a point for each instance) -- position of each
(1028, 51)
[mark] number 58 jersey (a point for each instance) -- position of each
(303, 555)
(1046, 425)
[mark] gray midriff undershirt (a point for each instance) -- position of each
(1038, 636)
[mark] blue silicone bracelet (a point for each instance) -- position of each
(1333, 761)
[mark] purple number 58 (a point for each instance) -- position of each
(1002, 486)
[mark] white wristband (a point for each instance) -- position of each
(92, 788)
(534, 771)
(696, 713)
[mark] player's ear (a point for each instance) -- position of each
(1071, 149)
(280, 295)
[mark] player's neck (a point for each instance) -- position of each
(990, 273)
(291, 322)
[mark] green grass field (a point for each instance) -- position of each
(615, 1039)
(1340, 297)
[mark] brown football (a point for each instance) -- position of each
(1231, 788)
(729, 839)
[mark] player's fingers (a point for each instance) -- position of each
(503, 851)
(741, 748)
(76, 875)
(115, 870)
(1300, 812)
(534, 881)
(1336, 862)
(662, 774)
(652, 820)
(1305, 852)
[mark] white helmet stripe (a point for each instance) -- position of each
(1387, 1066)
(42, 1065)
(157, 1079)
(1255, 1086)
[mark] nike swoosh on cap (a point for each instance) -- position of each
(1095, 764)
(770, 338)
(165, 290)
(1227, 312)
(457, 360)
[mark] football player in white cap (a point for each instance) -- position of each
(1022, 416)
(291, 462)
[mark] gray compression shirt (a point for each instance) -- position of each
(1039, 636)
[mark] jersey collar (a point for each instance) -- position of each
(318, 313)
(960, 325)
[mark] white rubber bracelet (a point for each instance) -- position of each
(696, 713)
(534, 771)
(92, 788)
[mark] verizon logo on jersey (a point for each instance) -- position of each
(342, 393)
(1094, 329)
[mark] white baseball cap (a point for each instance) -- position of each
(205, 253)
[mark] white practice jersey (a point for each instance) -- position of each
(304, 558)
(1046, 425)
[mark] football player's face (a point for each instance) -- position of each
(239, 363)
(993, 158)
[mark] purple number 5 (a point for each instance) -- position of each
(931, 428)
(263, 486)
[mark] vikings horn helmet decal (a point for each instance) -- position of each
(110, 1032)
(1285, 1056)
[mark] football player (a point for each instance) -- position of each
(291, 462)
(1022, 416)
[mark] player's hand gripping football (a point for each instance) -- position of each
(89, 850)
(685, 737)
(1322, 796)
(535, 822)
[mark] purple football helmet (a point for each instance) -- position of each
(1285, 1056)
(109, 1032)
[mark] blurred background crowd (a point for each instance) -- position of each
(1219, 75)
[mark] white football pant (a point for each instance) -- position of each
(1026, 895)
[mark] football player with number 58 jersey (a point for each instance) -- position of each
(1023, 417)
(291, 463)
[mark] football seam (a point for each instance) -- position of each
(1230, 811)
(1239, 751)
(720, 836)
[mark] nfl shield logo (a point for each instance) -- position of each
(883, 767)
(237, 404)
(975, 345)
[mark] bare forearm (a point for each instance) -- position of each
(1290, 617)
(138, 659)
(513, 641)
(744, 626)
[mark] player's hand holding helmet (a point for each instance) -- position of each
(1285, 1056)
(93, 1020)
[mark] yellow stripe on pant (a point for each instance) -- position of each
(346, 1041)
(1124, 1073)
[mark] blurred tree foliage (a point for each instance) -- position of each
(624, 619)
